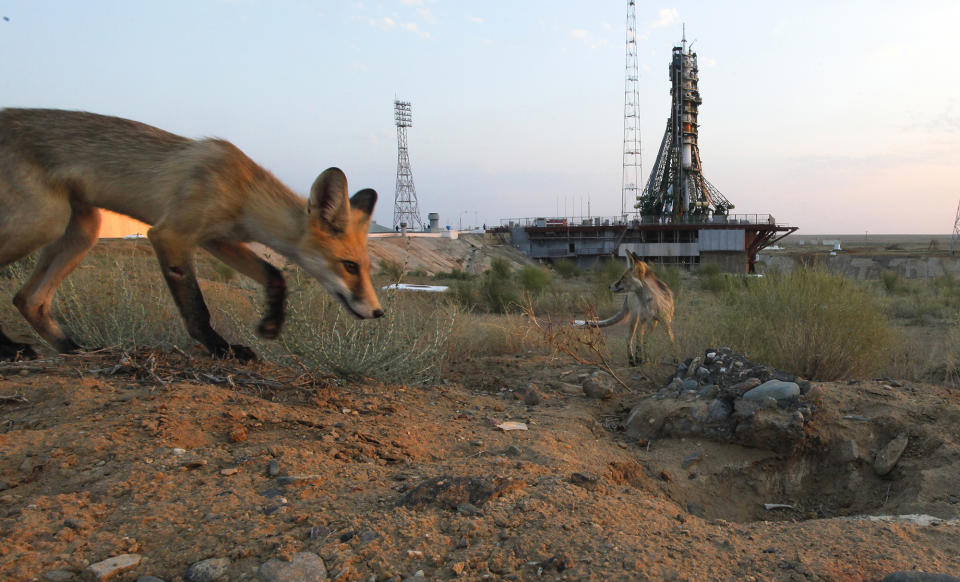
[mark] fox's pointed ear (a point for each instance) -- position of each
(328, 200)
(363, 202)
(631, 258)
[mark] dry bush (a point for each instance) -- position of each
(809, 322)
(407, 345)
(121, 302)
(584, 345)
(477, 335)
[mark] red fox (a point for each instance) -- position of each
(58, 168)
(647, 300)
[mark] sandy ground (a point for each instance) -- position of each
(169, 457)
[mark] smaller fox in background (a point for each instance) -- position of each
(58, 168)
(648, 300)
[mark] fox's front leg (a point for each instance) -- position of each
(634, 358)
(241, 258)
(177, 266)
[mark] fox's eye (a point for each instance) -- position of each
(351, 267)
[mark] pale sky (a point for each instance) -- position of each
(834, 116)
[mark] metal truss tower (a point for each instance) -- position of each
(405, 208)
(630, 182)
(677, 189)
(955, 240)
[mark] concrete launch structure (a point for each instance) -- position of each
(679, 218)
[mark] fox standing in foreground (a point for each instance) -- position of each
(57, 168)
(648, 300)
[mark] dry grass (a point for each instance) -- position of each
(809, 322)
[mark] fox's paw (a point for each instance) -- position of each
(242, 353)
(14, 351)
(269, 328)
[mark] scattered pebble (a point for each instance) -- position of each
(691, 459)
(107, 569)
(59, 576)
(888, 456)
(273, 468)
(208, 570)
(302, 567)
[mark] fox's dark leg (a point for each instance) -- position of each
(56, 261)
(176, 263)
(241, 258)
(11, 350)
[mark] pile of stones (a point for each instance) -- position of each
(724, 397)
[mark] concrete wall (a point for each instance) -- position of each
(729, 261)
(722, 240)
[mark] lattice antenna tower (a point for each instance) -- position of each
(405, 208)
(631, 118)
(955, 240)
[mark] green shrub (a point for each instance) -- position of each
(708, 270)
(407, 345)
(497, 289)
(455, 275)
(808, 322)
(672, 277)
(567, 268)
(392, 270)
(891, 281)
(465, 293)
(533, 279)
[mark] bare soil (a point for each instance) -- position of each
(168, 456)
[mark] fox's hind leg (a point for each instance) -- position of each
(56, 261)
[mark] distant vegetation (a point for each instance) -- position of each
(807, 322)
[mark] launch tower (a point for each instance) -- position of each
(677, 189)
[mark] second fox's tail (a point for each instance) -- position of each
(616, 318)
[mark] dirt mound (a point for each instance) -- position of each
(189, 464)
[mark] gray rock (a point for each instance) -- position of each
(707, 391)
(773, 389)
(513, 451)
(915, 576)
(696, 509)
(106, 569)
(207, 570)
(149, 579)
(888, 456)
(746, 408)
(702, 372)
(689, 384)
(847, 451)
(468, 509)
(690, 459)
(745, 386)
(692, 368)
(719, 410)
(588, 481)
(598, 385)
(59, 576)
(302, 567)
(273, 468)
(532, 396)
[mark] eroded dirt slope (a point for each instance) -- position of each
(170, 458)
